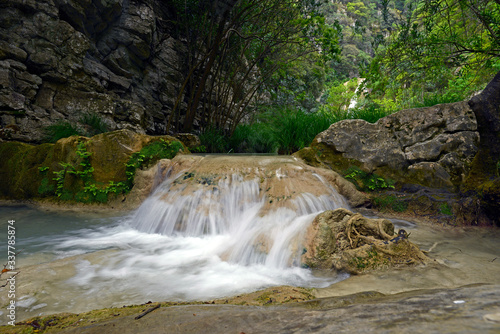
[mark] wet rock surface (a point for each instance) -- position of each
(470, 309)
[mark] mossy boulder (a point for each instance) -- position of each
(110, 152)
(431, 147)
(31, 171)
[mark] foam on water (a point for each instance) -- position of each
(207, 243)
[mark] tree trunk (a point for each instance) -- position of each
(486, 107)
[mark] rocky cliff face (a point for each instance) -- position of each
(428, 146)
(62, 58)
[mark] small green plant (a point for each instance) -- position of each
(87, 190)
(199, 149)
(147, 156)
(60, 130)
(445, 209)
(93, 124)
(389, 202)
(367, 181)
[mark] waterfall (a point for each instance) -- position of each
(214, 227)
(237, 209)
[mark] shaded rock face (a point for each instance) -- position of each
(429, 146)
(347, 241)
(62, 58)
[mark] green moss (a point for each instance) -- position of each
(64, 170)
(19, 174)
(149, 155)
(445, 209)
(367, 181)
(389, 202)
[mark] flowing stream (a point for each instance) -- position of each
(215, 227)
(199, 236)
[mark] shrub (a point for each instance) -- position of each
(214, 140)
(367, 181)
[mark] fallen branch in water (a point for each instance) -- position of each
(151, 309)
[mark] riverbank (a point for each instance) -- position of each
(469, 309)
(461, 257)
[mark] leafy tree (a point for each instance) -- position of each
(438, 41)
(235, 47)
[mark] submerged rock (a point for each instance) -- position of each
(347, 241)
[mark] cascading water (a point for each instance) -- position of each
(215, 227)
(231, 210)
(206, 233)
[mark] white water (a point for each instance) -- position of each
(207, 244)
(185, 242)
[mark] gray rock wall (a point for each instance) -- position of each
(429, 146)
(62, 58)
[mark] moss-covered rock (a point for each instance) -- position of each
(432, 147)
(73, 168)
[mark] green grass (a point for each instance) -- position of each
(60, 130)
(93, 124)
(282, 130)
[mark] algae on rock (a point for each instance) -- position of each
(79, 168)
(347, 241)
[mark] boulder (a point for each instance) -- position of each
(347, 241)
(431, 146)
(188, 139)
(29, 171)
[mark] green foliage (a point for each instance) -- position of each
(370, 112)
(93, 124)
(295, 129)
(389, 202)
(214, 140)
(443, 51)
(61, 130)
(276, 129)
(86, 189)
(367, 181)
(199, 149)
(253, 138)
(147, 156)
(339, 97)
(445, 209)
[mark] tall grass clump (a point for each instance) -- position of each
(214, 140)
(93, 124)
(253, 138)
(61, 129)
(370, 112)
(294, 129)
